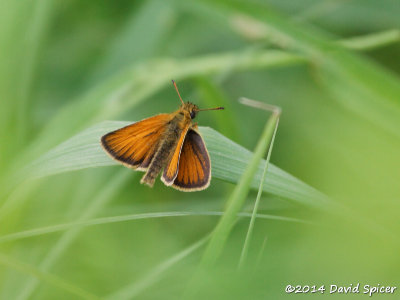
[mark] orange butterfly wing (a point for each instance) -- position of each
(135, 145)
(194, 169)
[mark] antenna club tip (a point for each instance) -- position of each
(173, 81)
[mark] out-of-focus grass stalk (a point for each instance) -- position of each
(33, 41)
(319, 9)
(46, 277)
(246, 245)
(261, 252)
(256, 31)
(236, 200)
(371, 41)
(99, 201)
(23, 26)
(143, 216)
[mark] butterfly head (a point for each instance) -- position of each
(191, 109)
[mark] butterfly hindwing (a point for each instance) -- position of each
(135, 145)
(194, 169)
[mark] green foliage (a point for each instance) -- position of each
(75, 224)
(229, 161)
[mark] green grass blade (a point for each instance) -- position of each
(144, 216)
(372, 41)
(229, 161)
(261, 252)
(319, 9)
(257, 202)
(237, 198)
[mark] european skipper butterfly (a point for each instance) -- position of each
(166, 142)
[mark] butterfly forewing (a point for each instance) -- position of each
(135, 145)
(194, 169)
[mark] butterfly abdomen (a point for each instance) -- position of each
(167, 144)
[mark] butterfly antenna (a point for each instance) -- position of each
(215, 108)
(176, 88)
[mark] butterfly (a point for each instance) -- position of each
(169, 143)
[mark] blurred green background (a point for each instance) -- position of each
(332, 66)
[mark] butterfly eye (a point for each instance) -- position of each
(192, 114)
